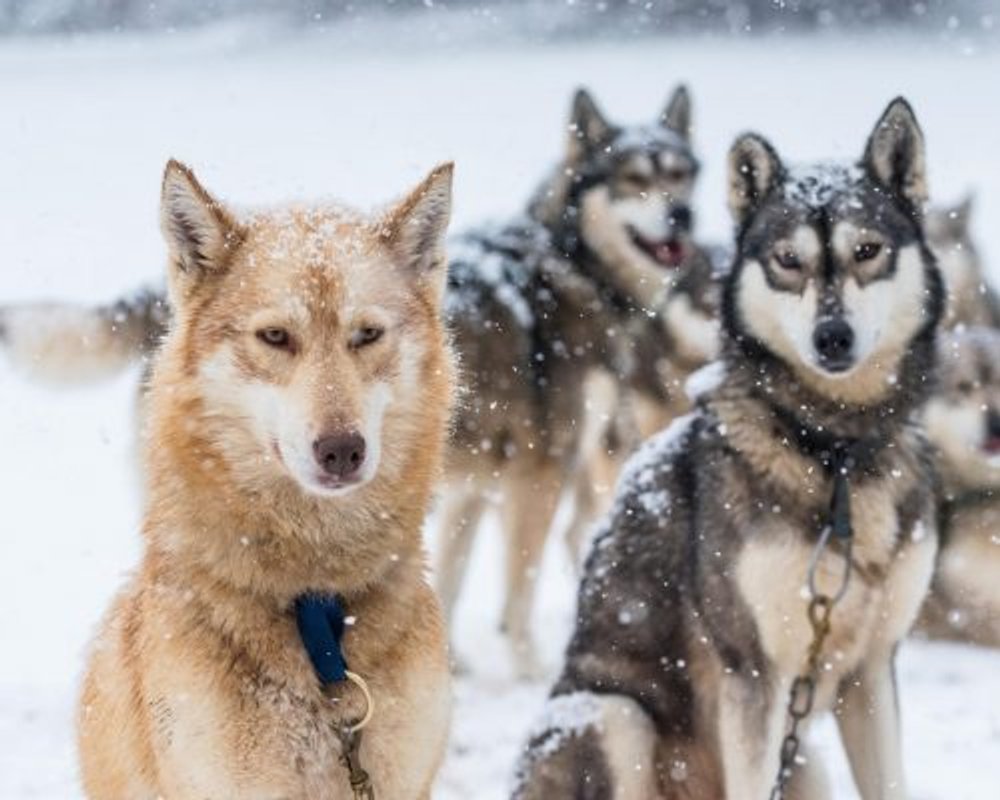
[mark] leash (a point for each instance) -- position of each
(802, 695)
(321, 621)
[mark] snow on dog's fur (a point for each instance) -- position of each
(692, 621)
(294, 429)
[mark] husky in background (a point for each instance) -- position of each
(692, 619)
(538, 306)
(971, 299)
(295, 425)
(963, 423)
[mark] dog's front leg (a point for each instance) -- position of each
(751, 717)
(868, 718)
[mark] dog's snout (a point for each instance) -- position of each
(681, 218)
(341, 455)
(834, 340)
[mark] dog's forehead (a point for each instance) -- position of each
(310, 236)
(312, 259)
(832, 196)
(653, 142)
(829, 187)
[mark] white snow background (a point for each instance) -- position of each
(85, 129)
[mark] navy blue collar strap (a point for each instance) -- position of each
(320, 619)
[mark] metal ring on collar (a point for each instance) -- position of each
(358, 681)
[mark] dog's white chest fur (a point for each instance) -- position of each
(888, 582)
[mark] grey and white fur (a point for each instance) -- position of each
(691, 620)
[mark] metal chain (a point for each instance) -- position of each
(350, 743)
(360, 780)
(802, 695)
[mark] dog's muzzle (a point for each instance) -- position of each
(833, 339)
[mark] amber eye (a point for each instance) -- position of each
(277, 338)
(867, 251)
(369, 334)
(675, 175)
(788, 260)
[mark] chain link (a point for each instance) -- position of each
(802, 695)
(349, 735)
(360, 780)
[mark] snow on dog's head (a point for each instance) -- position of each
(833, 276)
(307, 339)
(624, 192)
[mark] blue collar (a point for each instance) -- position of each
(320, 618)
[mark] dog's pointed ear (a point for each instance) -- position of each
(200, 232)
(894, 155)
(754, 170)
(962, 211)
(416, 227)
(588, 127)
(677, 115)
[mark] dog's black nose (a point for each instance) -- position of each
(340, 455)
(833, 340)
(680, 218)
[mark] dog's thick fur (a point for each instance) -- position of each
(289, 326)
(541, 305)
(692, 618)
(963, 423)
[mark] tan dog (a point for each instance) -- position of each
(294, 430)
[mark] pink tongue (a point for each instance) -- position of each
(669, 253)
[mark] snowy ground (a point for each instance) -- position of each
(84, 132)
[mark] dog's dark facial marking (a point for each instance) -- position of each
(826, 239)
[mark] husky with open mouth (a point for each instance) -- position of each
(692, 621)
(540, 304)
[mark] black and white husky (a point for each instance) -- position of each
(692, 619)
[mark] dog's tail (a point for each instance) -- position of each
(67, 344)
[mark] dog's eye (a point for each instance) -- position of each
(277, 338)
(966, 387)
(788, 260)
(867, 251)
(675, 175)
(369, 334)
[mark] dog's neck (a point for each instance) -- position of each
(274, 543)
(767, 414)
